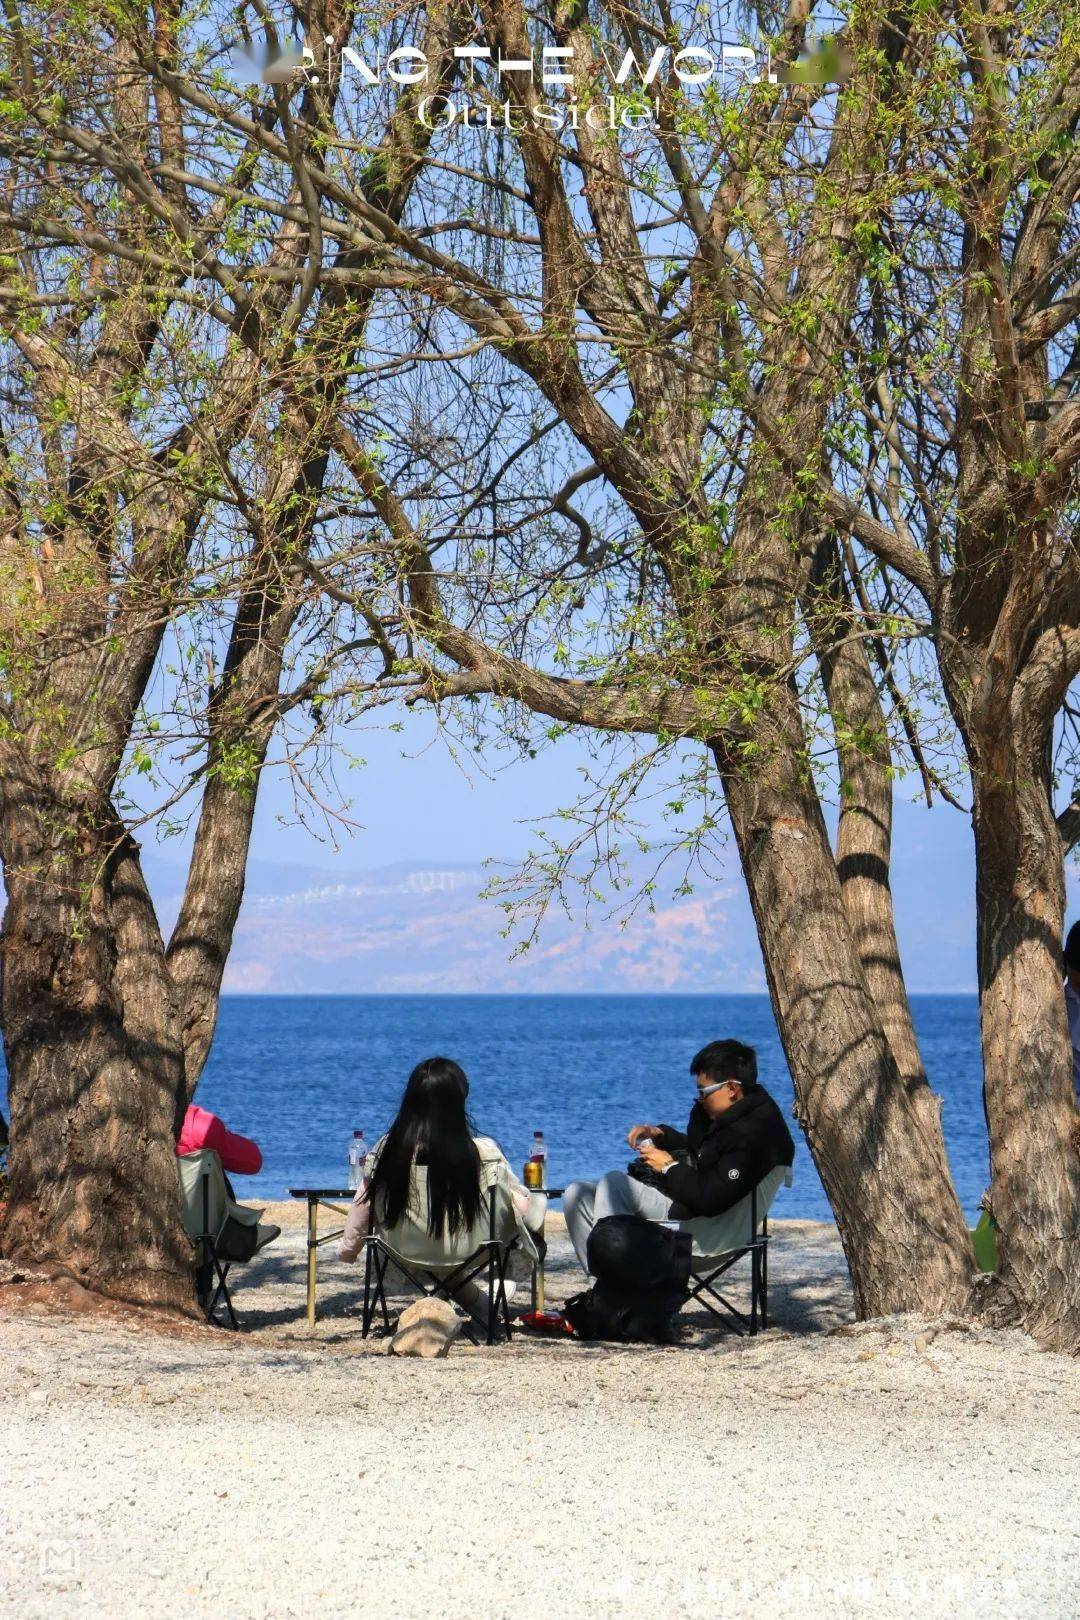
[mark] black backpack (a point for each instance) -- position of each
(642, 1270)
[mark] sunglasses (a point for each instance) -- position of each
(707, 1091)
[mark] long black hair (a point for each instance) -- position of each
(431, 1128)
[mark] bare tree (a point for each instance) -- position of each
(159, 495)
(968, 353)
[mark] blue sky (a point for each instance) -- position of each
(417, 803)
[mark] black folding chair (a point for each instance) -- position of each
(704, 1274)
(490, 1256)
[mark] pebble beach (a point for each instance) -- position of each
(822, 1468)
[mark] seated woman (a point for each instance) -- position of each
(428, 1181)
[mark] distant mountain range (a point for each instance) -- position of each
(424, 928)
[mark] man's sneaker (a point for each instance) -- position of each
(473, 1296)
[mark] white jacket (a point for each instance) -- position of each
(517, 1209)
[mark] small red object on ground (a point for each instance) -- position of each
(545, 1322)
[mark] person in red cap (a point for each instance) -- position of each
(202, 1129)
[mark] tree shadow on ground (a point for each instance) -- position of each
(809, 1292)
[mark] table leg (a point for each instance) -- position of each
(312, 1251)
(538, 1271)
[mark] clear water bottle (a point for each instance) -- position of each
(357, 1159)
(539, 1153)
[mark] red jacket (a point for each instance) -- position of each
(202, 1129)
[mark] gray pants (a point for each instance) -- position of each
(586, 1202)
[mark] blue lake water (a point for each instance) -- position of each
(298, 1073)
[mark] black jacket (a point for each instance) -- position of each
(727, 1156)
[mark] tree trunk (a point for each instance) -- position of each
(1031, 1117)
(95, 1067)
(875, 1135)
(864, 834)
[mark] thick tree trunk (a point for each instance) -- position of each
(1033, 1122)
(826, 934)
(95, 1067)
(875, 1134)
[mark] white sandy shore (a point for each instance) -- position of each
(816, 1470)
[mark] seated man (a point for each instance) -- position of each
(735, 1136)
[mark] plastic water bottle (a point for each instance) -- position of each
(357, 1159)
(539, 1152)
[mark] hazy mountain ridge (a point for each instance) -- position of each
(422, 927)
(411, 935)
(425, 928)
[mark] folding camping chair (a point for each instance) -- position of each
(224, 1232)
(461, 1260)
(721, 1241)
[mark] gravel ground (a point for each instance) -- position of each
(821, 1469)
